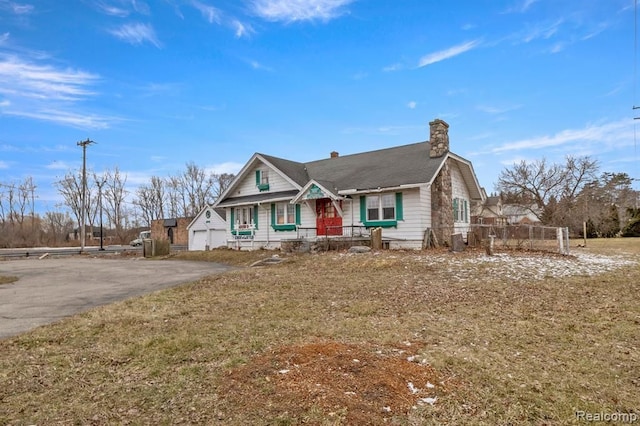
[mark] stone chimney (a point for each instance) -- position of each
(438, 138)
(334, 154)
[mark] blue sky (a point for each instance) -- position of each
(161, 83)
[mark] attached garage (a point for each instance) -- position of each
(208, 229)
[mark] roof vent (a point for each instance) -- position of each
(334, 154)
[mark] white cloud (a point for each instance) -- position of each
(4, 165)
(210, 13)
(412, 105)
(19, 78)
(112, 10)
(3, 38)
(441, 55)
(58, 165)
(69, 118)
(258, 66)
(393, 67)
(604, 135)
(521, 6)
(16, 8)
(241, 29)
(137, 34)
(299, 10)
(497, 110)
(541, 31)
(228, 167)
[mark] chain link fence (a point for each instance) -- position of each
(521, 237)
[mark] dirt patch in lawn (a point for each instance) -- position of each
(351, 383)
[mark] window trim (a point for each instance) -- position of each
(262, 180)
(253, 220)
(290, 226)
(382, 223)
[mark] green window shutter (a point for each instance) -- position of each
(363, 209)
(399, 210)
(255, 215)
(298, 214)
(233, 219)
(455, 209)
(273, 214)
(257, 177)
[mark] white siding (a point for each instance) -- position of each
(460, 191)
(205, 231)
(248, 185)
(416, 207)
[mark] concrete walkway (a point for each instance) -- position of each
(54, 288)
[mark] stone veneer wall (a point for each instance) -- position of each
(442, 205)
(439, 138)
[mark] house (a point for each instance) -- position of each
(208, 229)
(173, 230)
(522, 214)
(413, 192)
(489, 212)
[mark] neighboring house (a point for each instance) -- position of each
(412, 192)
(208, 229)
(521, 215)
(490, 212)
(173, 230)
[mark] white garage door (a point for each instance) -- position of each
(217, 238)
(198, 241)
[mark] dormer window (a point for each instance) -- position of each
(262, 180)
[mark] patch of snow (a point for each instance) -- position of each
(429, 401)
(536, 267)
(412, 388)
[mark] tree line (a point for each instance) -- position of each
(572, 194)
(107, 197)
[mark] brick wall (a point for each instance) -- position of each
(180, 233)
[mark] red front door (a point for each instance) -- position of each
(328, 220)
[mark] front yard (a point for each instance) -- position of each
(390, 337)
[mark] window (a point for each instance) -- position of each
(262, 180)
(373, 208)
(381, 207)
(460, 210)
(244, 219)
(285, 216)
(381, 210)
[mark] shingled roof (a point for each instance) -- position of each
(383, 168)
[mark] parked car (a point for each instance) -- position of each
(144, 235)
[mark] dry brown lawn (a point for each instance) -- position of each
(406, 338)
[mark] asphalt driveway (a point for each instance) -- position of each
(54, 288)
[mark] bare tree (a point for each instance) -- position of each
(547, 190)
(223, 181)
(150, 200)
(113, 199)
(70, 187)
(57, 226)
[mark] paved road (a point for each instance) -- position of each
(54, 288)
